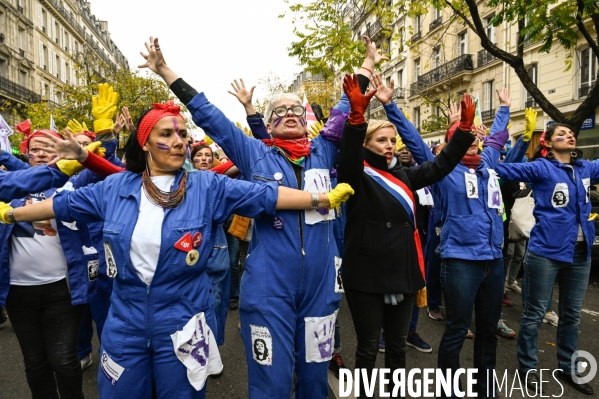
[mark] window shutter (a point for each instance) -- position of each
(40, 14)
(42, 54)
(63, 70)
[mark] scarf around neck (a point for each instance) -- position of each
(295, 150)
(471, 161)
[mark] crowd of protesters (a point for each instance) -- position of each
(149, 247)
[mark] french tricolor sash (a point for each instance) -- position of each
(404, 196)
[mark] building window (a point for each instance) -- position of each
(417, 23)
(416, 70)
(489, 28)
(400, 78)
(21, 39)
(588, 71)
(487, 96)
(3, 68)
(533, 75)
(462, 43)
(417, 118)
(23, 78)
(436, 57)
(388, 81)
(437, 13)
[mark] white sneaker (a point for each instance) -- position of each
(514, 287)
(551, 318)
(86, 362)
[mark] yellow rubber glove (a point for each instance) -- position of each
(314, 129)
(594, 216)
(339, 195)
(4, 208)
(104, 108)
(530, 122)
(71, 167)
(208, 140)
(76, 127)
(405, 114)
(399, 145)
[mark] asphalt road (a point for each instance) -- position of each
(233, 382)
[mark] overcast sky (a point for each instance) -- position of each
(208, 43)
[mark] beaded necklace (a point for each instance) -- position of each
(164, 199)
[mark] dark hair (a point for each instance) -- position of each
(263, 355)
(548, 134)
(197, 149)
(134, 154)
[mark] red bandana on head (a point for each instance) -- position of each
(152, 117)
(25, 129)
(542, 143)
(91, 135)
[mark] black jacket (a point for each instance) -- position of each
(380, 251)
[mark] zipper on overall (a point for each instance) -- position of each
(297, 171)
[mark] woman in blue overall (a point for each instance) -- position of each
(559, 248)
(289, 290)
(159, 226)
(469, 200)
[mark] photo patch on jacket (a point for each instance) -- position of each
(561, 196)
(338, 281)
(318, 181)
(586, 182)
(111, 270)
(471, 185)
(261, 345)
(92, 269)
(320, 338)
(494, 199)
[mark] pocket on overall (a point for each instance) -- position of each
(116, 326)
(461, 230)
(253, 297)
(193, 234)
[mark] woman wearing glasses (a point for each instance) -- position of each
(289, 291)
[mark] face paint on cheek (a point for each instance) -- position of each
(53, 156)
(560, 139)
(163, 147)
(176, 127)
(209, 160)
(303, 122)
(31, 156)
(277, 121)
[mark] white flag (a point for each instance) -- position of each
(53, 125)
(5, 131)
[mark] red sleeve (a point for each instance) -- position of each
(100, 166)
(222, 168)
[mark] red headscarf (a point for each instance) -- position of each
(91, 135)
(25, 129)
(542, 143)
(153, 116)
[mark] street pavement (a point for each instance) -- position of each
(233, 382)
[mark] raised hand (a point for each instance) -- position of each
(504, 97)
(383, 93)
(358, 102)
(243, 95)
(454, 113)
(468, 108)
(372, 53)
(119, 124)
(530, 118)
(155, 61)
(65, 149)
(103, 108)
(314, 129)
(128, 121)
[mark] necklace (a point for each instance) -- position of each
(164, 199)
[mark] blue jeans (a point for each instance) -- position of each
(471, 285)
(539, 276)
(233, 245)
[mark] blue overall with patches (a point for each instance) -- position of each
(141, 319)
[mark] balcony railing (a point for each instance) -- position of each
(374, 28)
(487, 114)
(17, 91)
(375, 103)
(414, 89)
(484, 57)
(462, 63)
(67, 16)
(435, 23)
(22, 52)
(530, 103)
(584, 90)
(399, 93)
(416, 37)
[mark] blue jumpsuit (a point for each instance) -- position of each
(141, 319)
(289, 276)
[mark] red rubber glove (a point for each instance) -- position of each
(358, 102)
(100, 166)
(468, 111)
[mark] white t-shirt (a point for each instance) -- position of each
(36, 258)
(147, 234)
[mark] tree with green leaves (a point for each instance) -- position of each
(325, 39)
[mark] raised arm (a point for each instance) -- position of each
(408, 133)
(33, 180)
(503, 113)
(11, 162)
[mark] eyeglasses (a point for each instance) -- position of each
(281, 111)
